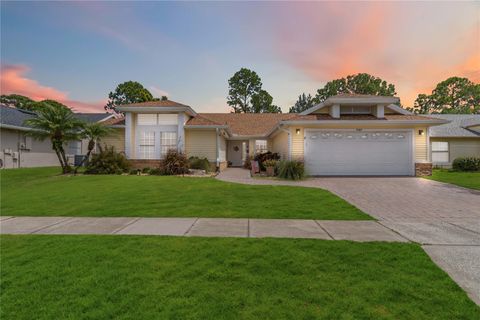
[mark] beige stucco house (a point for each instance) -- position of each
(344, 135)
(20, 150)
(460, 137)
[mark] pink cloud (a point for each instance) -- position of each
(393, 41)
(14, 81)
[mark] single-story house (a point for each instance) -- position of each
(347, 134)
(460, 137)
(18, 150)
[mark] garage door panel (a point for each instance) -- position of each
(358, 153)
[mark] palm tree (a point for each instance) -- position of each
(94, 132)
(60, 126)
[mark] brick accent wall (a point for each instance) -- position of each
(144, 163)
(423, 169)
(223, 166)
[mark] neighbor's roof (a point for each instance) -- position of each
(160, 103)
(93, 117)
(458, 127)
(14, 118)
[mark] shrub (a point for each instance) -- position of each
(199, 163)
(146, 170)
(174, 163)
(291, 170)
(134, 171)
(108, 161)
(270, 163)
(466, 164)
(262, 157)
(248, 163)
(156, 172)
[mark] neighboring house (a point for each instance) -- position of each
(458, 138)
(18, 150)
(344, 135)
(80, 147)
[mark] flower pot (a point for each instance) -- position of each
(270, 171)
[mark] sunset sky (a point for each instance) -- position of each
(77, 52)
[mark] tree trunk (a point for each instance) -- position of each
(66, 168)
(57, 152)
(91, 146)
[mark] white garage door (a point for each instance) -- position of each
(358, 152)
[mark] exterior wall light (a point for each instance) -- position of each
(297, 131)
(420, 132)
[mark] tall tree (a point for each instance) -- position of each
(454, 95)
(128, 92)
(361, 83)
(59, 125)
(303, 103)
(243, 86)
(262, 103)
(94, 132)
(17, 101)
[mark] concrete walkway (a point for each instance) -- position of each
(203, 227)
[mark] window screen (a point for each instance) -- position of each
(146, 119)
(147, 145)
(168, 141)
(440, 151)
(261, 146)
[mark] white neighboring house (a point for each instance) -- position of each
(18, 150)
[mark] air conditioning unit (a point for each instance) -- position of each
(15, 155)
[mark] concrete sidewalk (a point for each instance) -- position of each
(203, 227)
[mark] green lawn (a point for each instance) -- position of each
(42, 192)
(134, 277)
(464, 179)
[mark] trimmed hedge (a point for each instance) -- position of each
(199, 163)
(466, 164)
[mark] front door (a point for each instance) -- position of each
(235, 153)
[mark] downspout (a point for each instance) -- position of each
(289, 141)
(217, 164)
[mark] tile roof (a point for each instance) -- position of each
(261, 124)
(160, 103)
(114, 122)
(245, 124)
(457, 127)
(14, 117)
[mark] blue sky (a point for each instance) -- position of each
(77, 52)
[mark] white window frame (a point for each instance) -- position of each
(440, 148)
(147, 119)
(168, 140)
(262, 147)
(146, 144)
(355, 110)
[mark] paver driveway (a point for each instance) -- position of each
(388, 198)
(442, 217)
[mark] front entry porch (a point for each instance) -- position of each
(237, 151)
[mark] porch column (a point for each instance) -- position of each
(181, 132)
(128, 135)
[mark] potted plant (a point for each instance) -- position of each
(270, 167)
